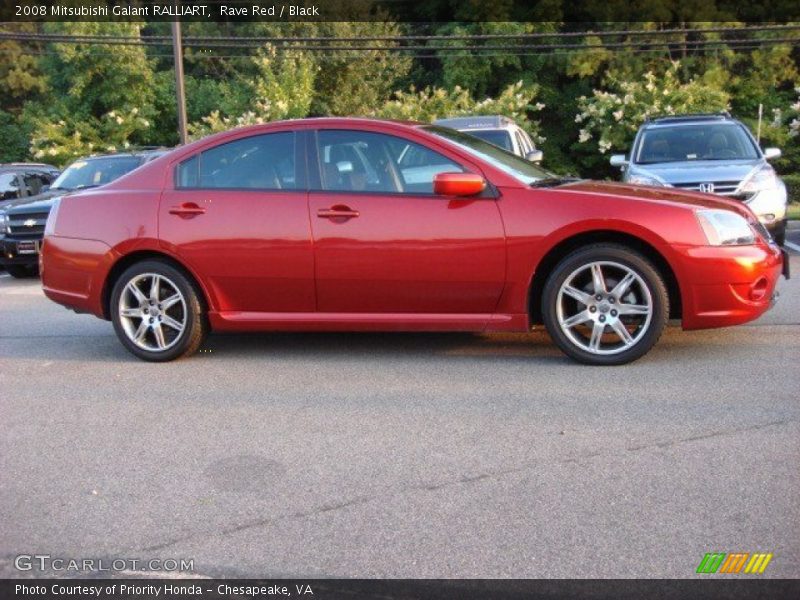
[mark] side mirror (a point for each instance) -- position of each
(618, 160)
(458, 184)
(770, 153)
(534, 156)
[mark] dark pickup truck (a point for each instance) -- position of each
(22, 221)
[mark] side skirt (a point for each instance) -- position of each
(259, 321)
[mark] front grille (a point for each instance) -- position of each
(27, 225)
(723, 188)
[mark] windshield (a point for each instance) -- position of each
(715, 141)
(94, 172)
(498, 137)
(511, 164)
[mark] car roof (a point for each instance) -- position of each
(477, 122)
(132, 153)
(16, 166)
(691, 119)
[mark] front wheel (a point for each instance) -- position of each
(605, 304)
(157, 312)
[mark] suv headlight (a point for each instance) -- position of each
(647, 180)
(725, 228)
(760, 180)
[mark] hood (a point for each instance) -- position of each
(40, 202)
(655, 194)
(698, 171)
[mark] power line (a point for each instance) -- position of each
(249, 41)
(741, 45)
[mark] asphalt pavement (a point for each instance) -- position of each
(399, 455)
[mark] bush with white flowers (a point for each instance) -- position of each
(64, 140)
(610, 118)
(516, 101)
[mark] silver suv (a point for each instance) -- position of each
(498, 130)
(708, 153)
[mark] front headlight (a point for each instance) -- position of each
(725, 228)
(760, 180)
(4, 224)
(646, 180)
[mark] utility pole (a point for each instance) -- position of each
(180, 92)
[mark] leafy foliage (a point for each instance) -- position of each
(515, 101)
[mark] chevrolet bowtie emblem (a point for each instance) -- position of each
(30, 223)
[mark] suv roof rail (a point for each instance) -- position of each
(723, 114)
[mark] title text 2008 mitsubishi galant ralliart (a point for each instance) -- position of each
(355, 224)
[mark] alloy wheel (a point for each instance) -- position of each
(604, 307)
(152, 312)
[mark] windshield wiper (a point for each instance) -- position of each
(58, 187)
(86, 187)
(553, 181)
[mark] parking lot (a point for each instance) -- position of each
(399, 455)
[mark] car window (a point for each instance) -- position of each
(362, 161)
(9, 186)
(719, 141)
(508, 162)
(97, 171)
(498, 137)
(35, 182)
(263, 162)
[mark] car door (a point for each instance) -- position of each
(384, 243)
(237, 214)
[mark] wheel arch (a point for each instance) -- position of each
(138, 256)
(555, 254)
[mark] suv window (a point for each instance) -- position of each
(9, 186)
(362, 161)
(262, 162)
(717, 141)
(35, 182)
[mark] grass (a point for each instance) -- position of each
(793, 211)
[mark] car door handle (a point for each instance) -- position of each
(337, 212)
(187, 209)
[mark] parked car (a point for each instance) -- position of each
(329, 224)
(709, 153)
(22, 221)
(22, 180)
(498, 130)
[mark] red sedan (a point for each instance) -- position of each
(353, 224)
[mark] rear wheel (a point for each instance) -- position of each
(605, 305)
(157, 313)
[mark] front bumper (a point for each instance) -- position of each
(731, 285)
(19, 252)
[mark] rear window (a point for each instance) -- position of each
(499, 137)
(263, 162)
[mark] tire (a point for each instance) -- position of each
(19, 271)
(572, 312)
(779, 235)
(160, 326)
